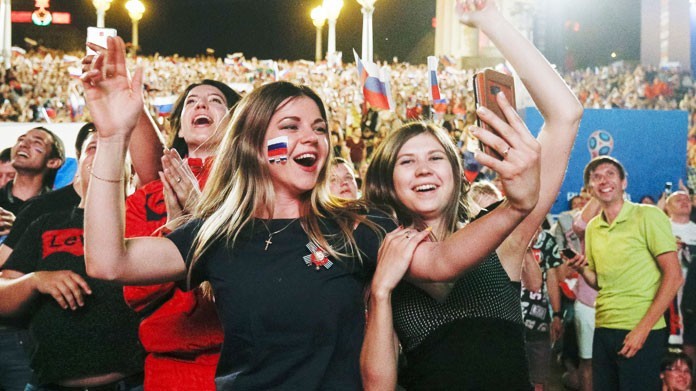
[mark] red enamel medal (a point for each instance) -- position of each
(318, 257)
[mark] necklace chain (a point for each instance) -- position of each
(270, 234)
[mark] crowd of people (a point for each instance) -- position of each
(43, 85)
(283, 235)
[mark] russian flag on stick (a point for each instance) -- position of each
(385, 77)
(448, 61)
(164, 104)
(77, 104)
(434, 89)
(375, 84)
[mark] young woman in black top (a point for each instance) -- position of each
(471, 338)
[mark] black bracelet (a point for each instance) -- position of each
(558, 315)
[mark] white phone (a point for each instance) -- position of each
(97, 36)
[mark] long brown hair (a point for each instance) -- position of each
(379, 189)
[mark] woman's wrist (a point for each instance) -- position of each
(519, 212)
(117, 138)
(380, 294)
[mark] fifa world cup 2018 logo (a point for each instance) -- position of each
(600, 143)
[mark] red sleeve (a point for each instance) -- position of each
(145, 214)
(146, 211)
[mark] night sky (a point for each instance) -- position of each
(282, 28)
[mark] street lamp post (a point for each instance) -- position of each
(318, 18)
(332, 9)
(135, 11)
(368, 7)
(102, 6)
(6, 32)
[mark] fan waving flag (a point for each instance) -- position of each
(375, 84)
(434, 89)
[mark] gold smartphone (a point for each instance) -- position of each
(487, 85)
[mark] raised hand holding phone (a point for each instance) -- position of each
(487, 85)
(98, 36)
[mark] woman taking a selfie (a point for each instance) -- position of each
(472, 336)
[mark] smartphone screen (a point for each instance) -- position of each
(568, 253)
(97, 36)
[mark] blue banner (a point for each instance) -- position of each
(692, 30)
(650, 144)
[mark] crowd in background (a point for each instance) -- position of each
(43, 85)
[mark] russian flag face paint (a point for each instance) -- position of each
(278, 150)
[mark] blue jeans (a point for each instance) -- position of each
(611, 372)
(15, 372)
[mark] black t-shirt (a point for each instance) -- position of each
(64, 198)
(17, 206)
(12, 203)
(100, 337)
(287, 325)
(8, 201)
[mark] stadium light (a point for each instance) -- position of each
(102, 6)
(318, 18)
(136, 9)
(368, 7)
(332, 9)
(6, 32)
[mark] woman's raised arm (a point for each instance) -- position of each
(115, 102)
(532, 171)
(557, 104)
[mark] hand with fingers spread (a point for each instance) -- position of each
(519, 171)
(66, 287)
(394, 258)
(115, 101)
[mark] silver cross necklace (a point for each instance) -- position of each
(270, 234)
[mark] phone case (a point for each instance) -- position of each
(487, 85)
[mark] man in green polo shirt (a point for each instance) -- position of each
(631, 259)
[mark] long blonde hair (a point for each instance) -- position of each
(239, 187)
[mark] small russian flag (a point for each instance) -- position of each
(278, 149)
(448, 61)
(77, 104)
(376, 89)
(434, 89)
(164, 104)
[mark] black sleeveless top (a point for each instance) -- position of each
(474, 340)
(483, 292)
